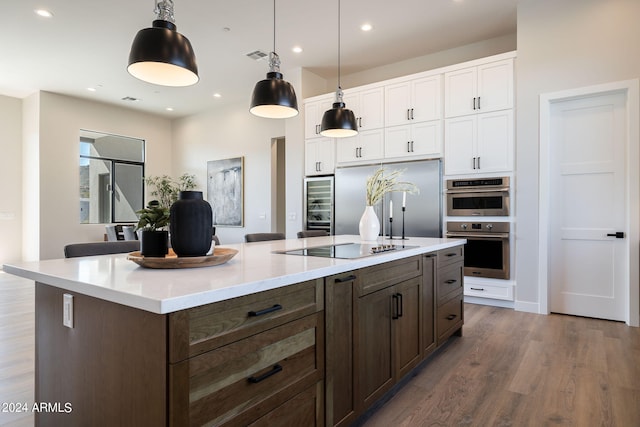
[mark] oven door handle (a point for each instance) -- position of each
(477, 190)
(494, 236)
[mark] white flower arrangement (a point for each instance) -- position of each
(383, 182)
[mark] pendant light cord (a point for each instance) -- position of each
(274, 26)
(338, 44)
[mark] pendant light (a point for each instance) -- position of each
(338, 122)
(274, 98)
(160, 54)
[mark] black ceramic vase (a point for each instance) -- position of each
(154, 243)
(191, 225)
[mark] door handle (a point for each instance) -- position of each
(617, 235)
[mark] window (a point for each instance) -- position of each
(111, 178)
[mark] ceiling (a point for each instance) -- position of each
(86, 43)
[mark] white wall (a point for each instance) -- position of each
(561, 45)
(60, 120)
(10, 179)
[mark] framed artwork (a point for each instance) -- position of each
(225, 191)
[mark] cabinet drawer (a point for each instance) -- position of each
(451, 255)
(450, 279)
(197, 330)
(449, 318)
(372, 279)
(304, 409)
(489, 291)
(237, 383)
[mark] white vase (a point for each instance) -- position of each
(369, 226)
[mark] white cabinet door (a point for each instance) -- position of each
(413, 101)
(459, 145)
(319, 156)
(368, 107)
(494, 151)
(313, 112)
(481, 89)
(362, 148)
(495, 86)
(480, 143)
(460, 88)
(420, 140)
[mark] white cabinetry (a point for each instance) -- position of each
(479, 143)
(313, 111)
(319, 156)
(367, 105)
(413, 101)
(479, 89)
(362, 148)
(416, 140)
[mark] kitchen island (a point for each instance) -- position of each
(265, 339)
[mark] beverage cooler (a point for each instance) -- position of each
(318, 203)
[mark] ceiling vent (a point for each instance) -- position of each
(257, 55)
(130, 99)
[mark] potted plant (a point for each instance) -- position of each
(154, 238)
(379, 184)
(167, 189)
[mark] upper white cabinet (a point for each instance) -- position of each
(413, 101)
(418, 140)
(362, 148)
(483, 88)
(367, 105)
(479, 143)
(313, 111)
(319, 156)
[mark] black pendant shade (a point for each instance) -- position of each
(274, 98)
(338, 122)
(162, 56)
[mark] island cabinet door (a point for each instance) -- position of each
(339, 376)
(240, 382)
(428, 303)
(406, 325)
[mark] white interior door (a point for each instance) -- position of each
(587, 264)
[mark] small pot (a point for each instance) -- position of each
(154, 243)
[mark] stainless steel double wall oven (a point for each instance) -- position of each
(487, 252)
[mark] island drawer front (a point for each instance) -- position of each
(304, 409)
(451, 255)
(375, 278)
(237, 383)
(449, 318)
(201, 329)
(450, 280)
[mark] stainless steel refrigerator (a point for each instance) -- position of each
(318, 203)
(423, 212)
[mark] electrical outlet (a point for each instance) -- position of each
(67, 310)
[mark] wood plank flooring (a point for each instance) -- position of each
(520, 369)
(508, 369)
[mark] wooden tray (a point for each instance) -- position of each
(220, 256)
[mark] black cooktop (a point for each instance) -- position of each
(346, 250)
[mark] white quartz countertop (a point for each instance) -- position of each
(255, 268)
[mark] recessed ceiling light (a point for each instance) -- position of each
(297, 49)
(366, 27)
(91, 89)
(44, 13)
(169, 109)
(217, 95)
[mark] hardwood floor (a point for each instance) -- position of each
(508, 369)
(520, 369)
(17, 322)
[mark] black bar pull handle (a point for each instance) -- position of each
(617, 235)
(275, 307)
(451, 316)
(255, 380)
(395, 316)
(400, 305)
(450, 254)
(477, 289)
(450, 281)
(349, 278)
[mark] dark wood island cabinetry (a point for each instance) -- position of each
(319, 350)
